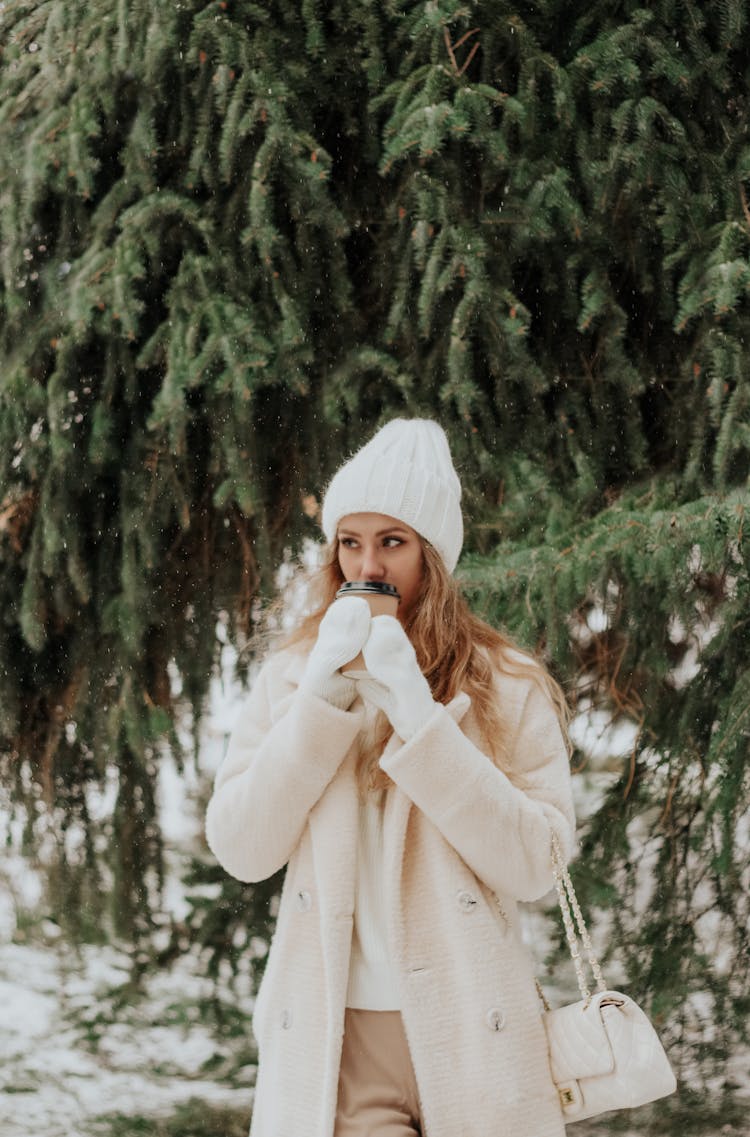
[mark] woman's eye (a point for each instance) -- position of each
(392, 542)
(347, 542)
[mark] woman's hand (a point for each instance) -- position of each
(341, 636)
(397, 685)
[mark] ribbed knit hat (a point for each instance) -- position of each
(405, 472)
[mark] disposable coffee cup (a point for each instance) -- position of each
(383, 600)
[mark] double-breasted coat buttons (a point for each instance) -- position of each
(466, 901)
(285, 1019)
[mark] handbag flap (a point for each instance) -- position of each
(578, 1042)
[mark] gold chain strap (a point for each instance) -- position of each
(571, 911)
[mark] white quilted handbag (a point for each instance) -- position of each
(604, 1053)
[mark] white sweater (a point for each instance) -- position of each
(372, 980)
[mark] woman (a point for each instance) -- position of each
(413, 806)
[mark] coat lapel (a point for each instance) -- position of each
(333, 828)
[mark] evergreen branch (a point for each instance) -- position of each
(453, 47)
(745, 207)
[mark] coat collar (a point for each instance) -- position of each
(458, 706)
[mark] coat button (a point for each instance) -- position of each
(285, 1019)
(304, 900)
(466, 902)
(495, 1019)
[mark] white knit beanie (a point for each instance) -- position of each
(405, 472)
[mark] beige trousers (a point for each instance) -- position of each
(377, 1087)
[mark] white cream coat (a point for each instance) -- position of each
(458, 833)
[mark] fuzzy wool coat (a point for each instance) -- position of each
(459, 835)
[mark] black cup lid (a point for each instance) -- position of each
(378, 586)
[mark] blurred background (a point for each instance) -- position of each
(237, 237)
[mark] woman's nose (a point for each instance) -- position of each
(372, 564)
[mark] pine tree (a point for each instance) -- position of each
(236, 237)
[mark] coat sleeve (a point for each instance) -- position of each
(500, 824)
(283, 752)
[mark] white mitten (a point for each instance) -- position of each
(396, 684)
(341, 636)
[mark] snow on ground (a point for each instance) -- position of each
(54, 1084)
(77, 1044)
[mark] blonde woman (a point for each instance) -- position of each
(413, 807)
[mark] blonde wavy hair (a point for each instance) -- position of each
(456, 650)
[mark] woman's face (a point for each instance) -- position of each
(372, 546)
